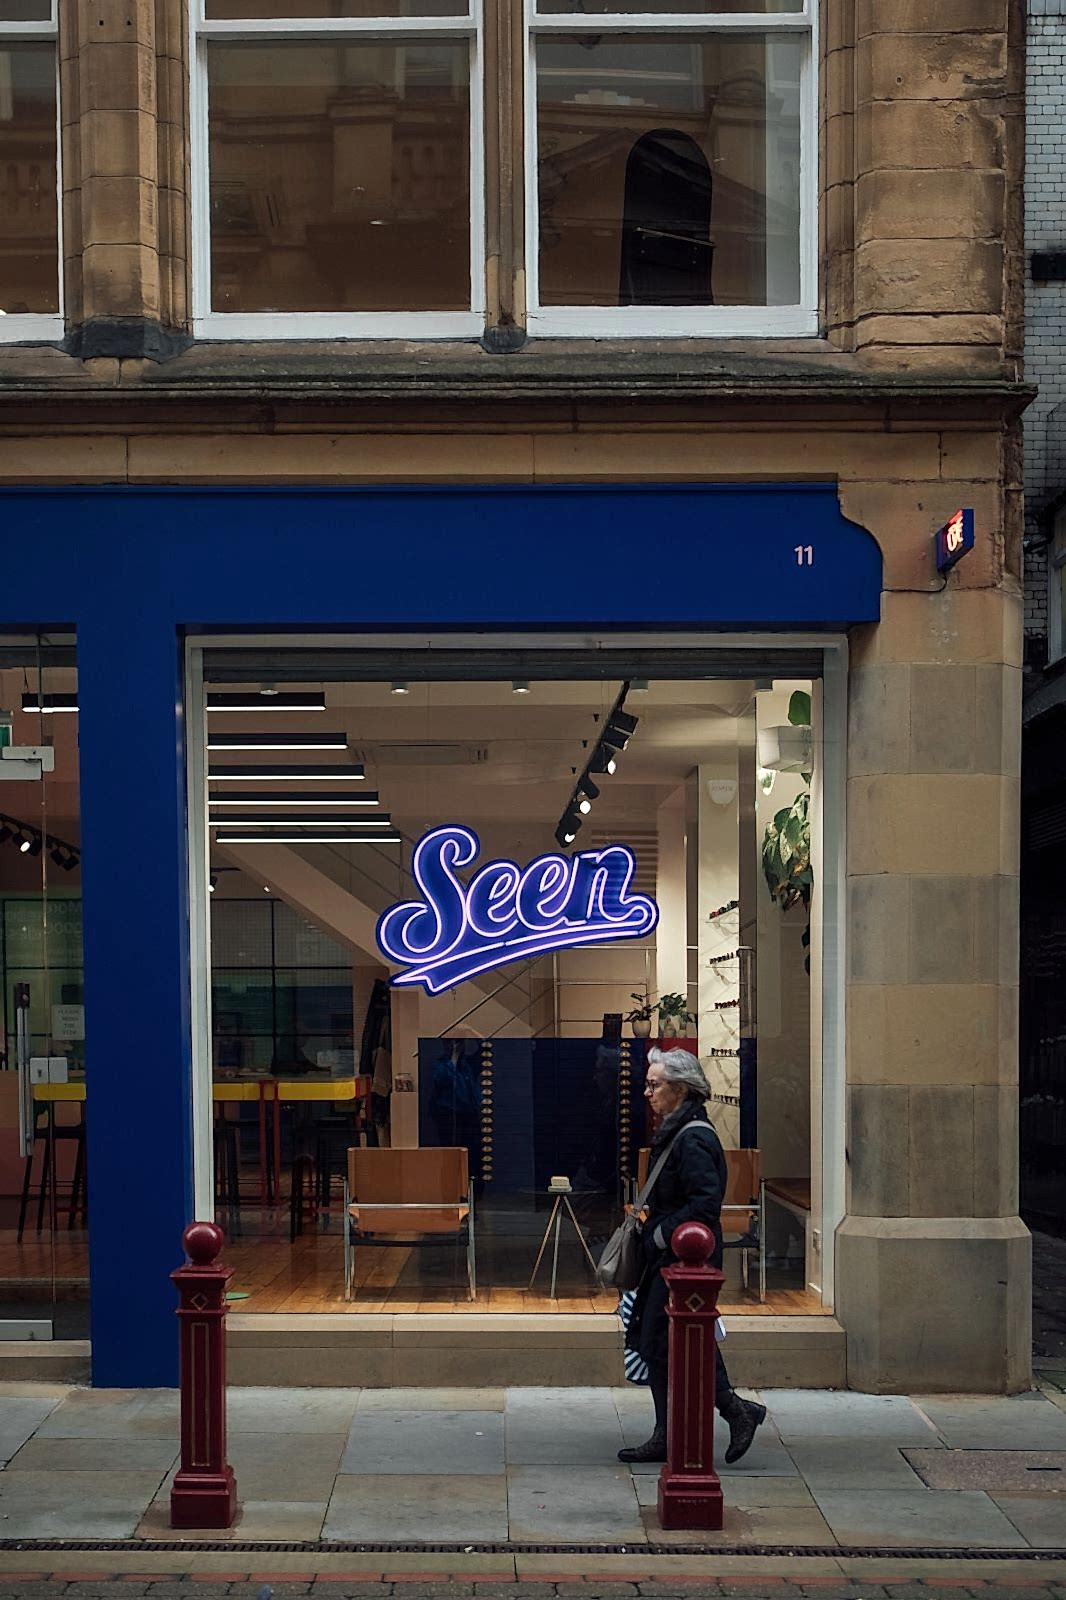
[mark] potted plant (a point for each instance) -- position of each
(674, 1015)
(639, 1018)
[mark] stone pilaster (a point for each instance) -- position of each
(125, 93)
(933, 1261)
(921, 138)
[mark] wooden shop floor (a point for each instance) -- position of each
(269, 1274)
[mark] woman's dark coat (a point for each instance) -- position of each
(690, 1188)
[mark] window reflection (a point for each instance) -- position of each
(340, 176)
(633, 132)
(241, 10)
(29, 231)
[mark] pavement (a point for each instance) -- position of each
(831, 1472)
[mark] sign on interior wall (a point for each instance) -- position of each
(505, 912)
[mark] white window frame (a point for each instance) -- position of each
(1056, 560)
(35, 327)
(213, 325)
(727, 322)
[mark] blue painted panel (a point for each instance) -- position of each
(138, 1036)
(554, 556)
(132, 568)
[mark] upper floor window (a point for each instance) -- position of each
(29, 180)
(672, 155)
(342, 191)
(669, 168)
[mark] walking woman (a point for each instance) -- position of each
(690, 1188)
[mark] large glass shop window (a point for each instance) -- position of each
(44, 1052)
(442, 950)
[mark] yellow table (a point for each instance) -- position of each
(229, 1089)
(271, 1091)
(265, 1091)
(287, 1088)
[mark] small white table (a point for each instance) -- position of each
(555, 1221)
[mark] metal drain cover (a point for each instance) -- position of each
(995, 1471)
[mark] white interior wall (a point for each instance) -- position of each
(671, 894)
(718, 884)
(783, 991)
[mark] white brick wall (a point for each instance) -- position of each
(1045, 310)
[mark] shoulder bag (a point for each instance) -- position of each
(621, 1265)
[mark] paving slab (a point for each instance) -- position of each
(746, 1494)
(992, 1569)
(432, 1400)
(827, 1463)
(995, 1471)
(767, 1456)
(1040, 1519)
(449, 1508)
(840, 1414)
(997, 1422)
(34, 1389)
(256, 1519)
(426, 1443)
(292, 1468)
(917, 1519)
(20, 1417)
(95, 1455)
(664, 1569)
(114, 1414)
(74, 1505)
(785, 1527)
(572, 1504)
(562, 1426)
(291, 1410)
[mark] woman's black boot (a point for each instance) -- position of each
(743, 1417)
(653, 1449)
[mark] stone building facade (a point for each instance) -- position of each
(906, 393)
(1043, 1103)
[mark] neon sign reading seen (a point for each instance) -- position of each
(506, 913)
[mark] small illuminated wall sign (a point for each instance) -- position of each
(506, 912)
(954, 540)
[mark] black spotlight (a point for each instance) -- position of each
(569, 827)
(619, 729)
(58, 856)
(71, 862)
(36, 846)
(6, 833)
(589, 792)
(605, 759)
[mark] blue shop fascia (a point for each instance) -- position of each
(145, 569)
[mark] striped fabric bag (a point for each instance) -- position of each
(636, 1368)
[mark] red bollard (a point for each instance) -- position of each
(690, 1495)
(205, 1491)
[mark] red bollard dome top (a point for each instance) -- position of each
(692, 1243)
(202, 1242)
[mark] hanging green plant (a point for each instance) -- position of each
(786, 845)
(786, 854)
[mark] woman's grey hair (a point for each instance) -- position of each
(681, 1066)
